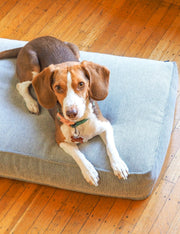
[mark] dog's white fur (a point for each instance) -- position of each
(23, 89)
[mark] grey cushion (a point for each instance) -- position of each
(140, 106)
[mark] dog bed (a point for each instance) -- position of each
(140, 107)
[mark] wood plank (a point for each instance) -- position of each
(98, 215)
(15, 16)
(55, 205)
(34, 209)
(134, 211)
(31, 19)
(146, 32)
(168, 212)
(65, 212)
(6, 6)
(123, 11)
(46, 17)
(18, 207)
(172, 173)
(81, 214)
(124, 228)
(9, 11)
(78, 16)
(176, 2)
(170, 52)
(159, 31)
(127, 12)
(113, 218)
(58, 20)
(75, 13)
(141, 16)
(93, 27)
(169, 44)
(175, 225)
(153, 208)
(90, 29)
(171, 152)
(5, 186)
(10, 197)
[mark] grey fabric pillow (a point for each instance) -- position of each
(140, 107)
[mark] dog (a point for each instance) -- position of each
(69, 89)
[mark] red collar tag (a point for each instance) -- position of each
(77, 139)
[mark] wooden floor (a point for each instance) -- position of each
(141, 28)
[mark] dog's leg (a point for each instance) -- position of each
(23, 89)
(119, 167)
(74, 49)
(89, 172)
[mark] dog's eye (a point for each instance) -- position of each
(59, 89)
(81, 85)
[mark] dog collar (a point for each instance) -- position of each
(68, 122)
(76, 136)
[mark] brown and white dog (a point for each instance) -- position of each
(69, 89)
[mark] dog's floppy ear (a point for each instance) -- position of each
(42, 86)
(98, 79)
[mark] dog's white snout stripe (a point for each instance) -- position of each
(73, 100)
(69, 82)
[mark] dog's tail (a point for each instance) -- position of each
(10, 53)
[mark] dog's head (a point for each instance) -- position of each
(71, 84)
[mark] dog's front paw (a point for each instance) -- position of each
(33, 106)
(90, 174)
(120, 169)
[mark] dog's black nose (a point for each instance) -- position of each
(72, 113)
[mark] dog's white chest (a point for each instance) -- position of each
(84, 132)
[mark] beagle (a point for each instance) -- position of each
(69, 89)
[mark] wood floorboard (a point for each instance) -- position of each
(134, 28)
